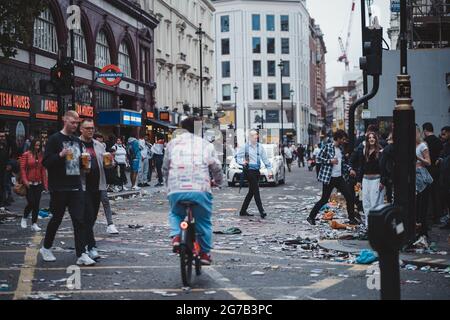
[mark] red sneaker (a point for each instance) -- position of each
(205, 259)
(176, 244)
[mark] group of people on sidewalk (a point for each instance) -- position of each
(368, 170)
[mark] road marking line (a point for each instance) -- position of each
(24, 284)
(218, 277)
(309, 291)
(12, 251)
(231, 290)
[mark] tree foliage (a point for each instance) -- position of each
(16, 23)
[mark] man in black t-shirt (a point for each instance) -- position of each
(62, 160)
(435, 148)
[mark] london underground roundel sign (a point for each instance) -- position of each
(111, 75)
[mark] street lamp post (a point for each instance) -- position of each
(292, 109)
(200, 34)
(262, 118)
(235, 90)
(281, 66)
(343, 110)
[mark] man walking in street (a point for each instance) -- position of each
(334, 173)
(289, 157)
(62, 160)
(134, 154)
(250, 157)
(158, 155)
(93, 180)
(435, 148)
(301, 156)
(143, 165)
(444, 171)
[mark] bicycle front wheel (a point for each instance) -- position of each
(186, 258)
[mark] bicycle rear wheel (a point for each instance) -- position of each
(186, 257)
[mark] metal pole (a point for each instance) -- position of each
(363, 24)
(72, 55)
(281, 94)
(201, 70)
(262, 118)
(404, 139)
(235, 108)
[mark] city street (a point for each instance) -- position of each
(270, 259)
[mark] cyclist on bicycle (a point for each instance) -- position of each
(189, 163)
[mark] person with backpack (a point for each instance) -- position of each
(134, 157)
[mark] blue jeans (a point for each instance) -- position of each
(202, 214)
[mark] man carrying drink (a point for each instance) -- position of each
(62, 160)
(93, 180)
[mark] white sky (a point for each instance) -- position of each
(333, 18)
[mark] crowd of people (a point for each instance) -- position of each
(79, 170)
(364, 176)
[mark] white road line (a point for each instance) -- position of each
(226, 283)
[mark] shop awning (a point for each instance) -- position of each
(161, 124)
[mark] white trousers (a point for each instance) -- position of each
(371, 195)
(143, 171)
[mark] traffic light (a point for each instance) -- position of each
(63, 75)
(372, 61)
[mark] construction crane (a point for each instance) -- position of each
(344, 50)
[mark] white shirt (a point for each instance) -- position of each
(287, 153)
(187, 164)
(316, 152)
(419, 149)
(120, 154)
(337, 168)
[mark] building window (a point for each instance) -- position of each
(270, 45)
(256, 22)
(226, 92)
(80, 46)
(225, 23)
(286, 91)
(225, 46)
(285, 46)
(124, 60)
(257, 91)
(271, 68)
(286, 69)
(104, 100)
(256, 45)
(144, 65)
(284, 23)
(225, 69)
(272, 91)
(257, 68)
(45, 32)
(102, 55)
(270, 21)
